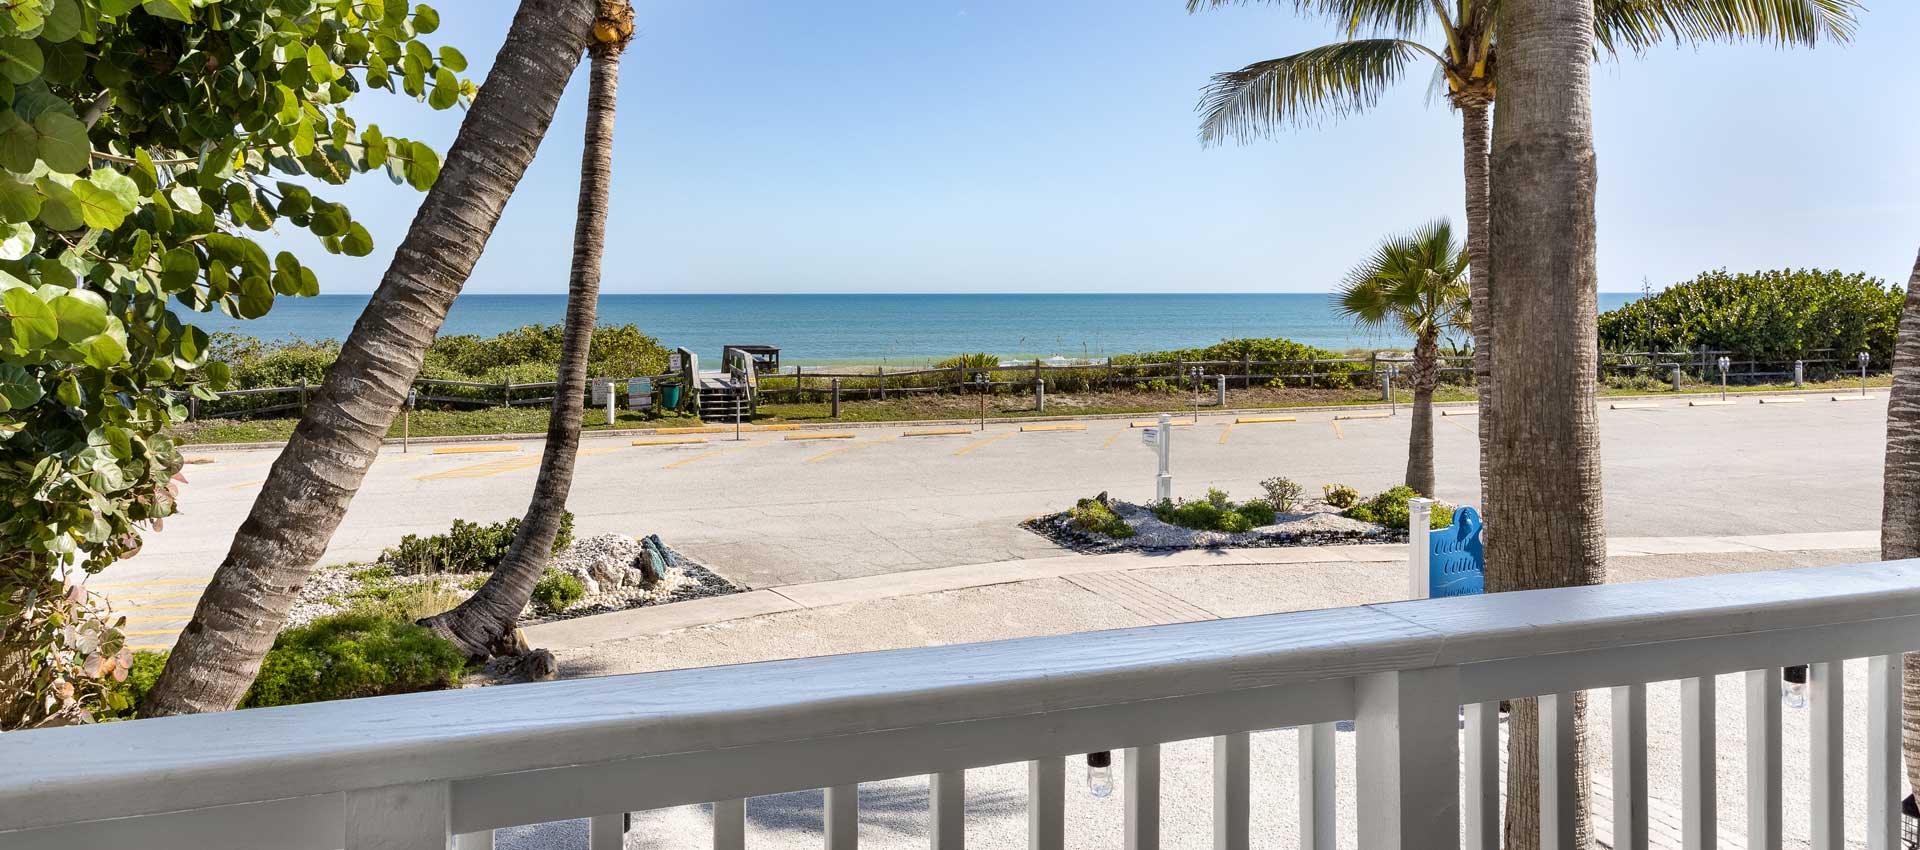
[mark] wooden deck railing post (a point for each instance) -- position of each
(399, 817)
(1408, 757)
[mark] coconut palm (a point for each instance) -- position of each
(304, 497)
(1544, 515)
(1349, 76)
(1416, 282)
(480, 625)
(1900, 511)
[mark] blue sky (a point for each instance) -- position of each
(995, 145)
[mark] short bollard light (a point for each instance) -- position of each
(1100, 773)
(1793, 687)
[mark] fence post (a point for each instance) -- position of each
(303, 395)
(1109, 373)
(1799, 373)
(881, 372)
(1676, 377)
(1179, 372)
(1246, 371)
(1313, 372)
(836, 398)
(1039, 395)
(1220, 383)
(798, 395)
(506, 393)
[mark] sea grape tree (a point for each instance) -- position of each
(143, 146)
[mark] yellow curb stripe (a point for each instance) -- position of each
(1344, 416)
(1026, 428)
(1257, 420)
(128, 609)
(151, 632)
(974, 445)
(1459, 412)
(148, 583)
(1636, 405)
(149, 647)
(473, 450)
(174, 619)
(847, 448)
(937, 432)
(1783, 401)
(839, 436)
(671, 441)
(193, 595)
(692, 429)
(482, 470)
(1713, 403)
(1155, 423)
(1855, 397)
(773, 428)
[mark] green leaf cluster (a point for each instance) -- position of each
(1776, 316)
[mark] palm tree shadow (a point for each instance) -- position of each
(899, 807)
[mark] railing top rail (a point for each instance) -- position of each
(1165, 681)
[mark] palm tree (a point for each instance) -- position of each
(317, 474)
(1416, 282)
(1347, 77)
(1544, 515)
(1900, 511)
(479, 625)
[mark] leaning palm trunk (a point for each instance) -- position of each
(1544, 513)
(482, 625)
(316, 476)
(1900, 511)
(1426, 378)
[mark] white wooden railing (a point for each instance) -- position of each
(411, 772)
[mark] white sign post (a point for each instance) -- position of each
(1161, 440)
(1419, 548)
(603, 394)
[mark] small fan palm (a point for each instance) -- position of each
(1416, 282)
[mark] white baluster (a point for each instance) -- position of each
(947, 804)
(1827, 770)
(1046, 804)
(607, 832)
(1883, 752)
(1699, 828)
(1630, 767)
(1559, 788)
(474, 841)
(399, 817)
(730, 825)
(1317, 813)
(1142, 797)
(1481, 789)
(1231, 788)
(842, 817)
(1763, 759)
(1408, 778)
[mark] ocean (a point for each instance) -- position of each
(887, 329)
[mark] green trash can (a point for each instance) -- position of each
(670, 396)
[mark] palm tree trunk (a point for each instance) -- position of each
(1900, 511)
(1544, 512)
(1474, 108)
(1426, 378)
(481, 623)
(316, 476)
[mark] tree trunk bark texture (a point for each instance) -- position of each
(480, 625)
(1426, 378)
(1474, 114)
(317, 475)
(1544, 513)
(1900, 511)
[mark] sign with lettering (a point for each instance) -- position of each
(639, 394)
(673, 362)
(1150, 436)
(1459, 561)
(602, 391)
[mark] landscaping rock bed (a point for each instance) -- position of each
(1311, 523)
(605, 563)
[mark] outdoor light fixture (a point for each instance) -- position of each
(1793, 690)
(1100, 773)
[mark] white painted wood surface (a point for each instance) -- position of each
(1559, 794)
(1700, 815)
(1480, 776)
(730, 825)
(1826, 755)
(1764, 798)
(1630, 767)
(414, 770)
(607, 832)
(947, 810)
(1884, 785)
(1046, 804)
(1141, 797)
(1232, 791)
(1319, 820)
(840, 817)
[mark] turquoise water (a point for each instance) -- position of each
(904, 329)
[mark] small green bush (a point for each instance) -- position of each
(1091, 515)
(1390, 509)
(1258, 512)
(976, 360)
(1218, 498)
(468, 548)
(557, 591)
(1216, 513)
(1282, 492)
(1340, 495)
(351, 655)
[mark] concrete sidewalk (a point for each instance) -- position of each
(1077, 593)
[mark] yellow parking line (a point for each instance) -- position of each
(692, 429)
(149, 647)
(977, 444)
(1261, 420)
(482, 470)
(1336, 431)
(193, 595)
(937, 432)
(174, 619)
(849, 447)
(699, 457)
(148, 583)
(245, 484)
(473, 450)
(151, 632)
(1224, 432)
(128, 609)
(774, 428)
(1460, 426)
(1025, 428)
(1155, 423)
(672, 441)
(1110, 440)
(837, 436)
(1374, 415)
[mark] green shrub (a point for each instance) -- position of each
(1779, 315)
(1218, 498)
(1216, 513)
(1091, 515)
(1282, 493)
(468, 548)
(977, 360)
(352, 655)
(409, 602)
(1258, 512)
(1340, 495)
(557, 591)
(1390, 509)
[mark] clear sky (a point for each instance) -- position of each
(1007, 145)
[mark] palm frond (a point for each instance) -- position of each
(1416, 280)
(1639, 24)
(1404, 18)
(1335, 80)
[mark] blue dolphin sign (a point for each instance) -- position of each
(1458, 563)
